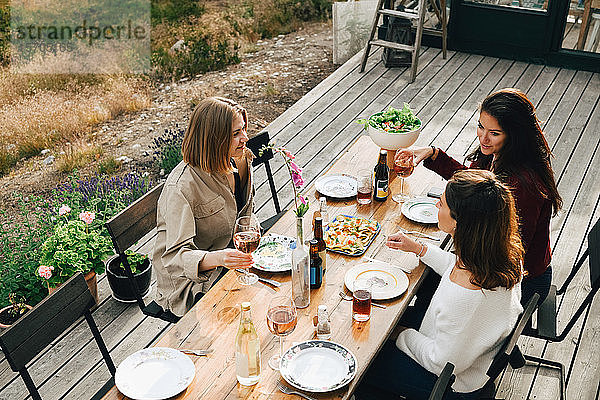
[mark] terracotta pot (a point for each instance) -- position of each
(120, 285)
(5, 310)
(90, 279)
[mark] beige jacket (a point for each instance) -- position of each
(196, 213)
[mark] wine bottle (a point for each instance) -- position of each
(316, 269)
(381, 178)
(247, 349)
(318, 236)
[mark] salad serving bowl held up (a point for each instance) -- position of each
(393, 129)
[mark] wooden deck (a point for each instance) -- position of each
(321, 125)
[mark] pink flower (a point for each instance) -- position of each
(295, 167)
(64, 209)
(297, 179)
(45, 271)
(87, 217)
(288, 153)
(303, 200)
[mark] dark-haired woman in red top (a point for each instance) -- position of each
(513, 146)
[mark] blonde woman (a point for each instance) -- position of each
(476, 304)
(199, 204)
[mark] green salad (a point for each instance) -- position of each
(393, 120)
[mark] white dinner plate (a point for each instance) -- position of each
(421, 209)
(337, 186)
(388, 281)
(155, 373)
(318, 366)
(273, 254)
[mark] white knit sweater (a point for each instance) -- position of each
(465, 327)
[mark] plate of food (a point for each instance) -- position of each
(273, 253)
(350, 235)
(387, 281)
(337, 186)
(421, 209)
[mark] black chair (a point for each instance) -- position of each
(255, 144)
(46, 322)
(444, 383)
(509, 352)
(547, 313)
(127, 228)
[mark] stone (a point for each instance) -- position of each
(48, 160)
(44, 152)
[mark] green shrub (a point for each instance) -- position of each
(167, 149)
(174, 10)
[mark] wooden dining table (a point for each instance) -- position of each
(213, 322)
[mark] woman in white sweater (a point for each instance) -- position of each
(476, 305)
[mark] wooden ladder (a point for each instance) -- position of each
(417, 14)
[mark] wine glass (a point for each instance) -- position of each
(403, 167)
(246, 238)
(281, 320)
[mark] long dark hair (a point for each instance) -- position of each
(486, 238)
(525, 150)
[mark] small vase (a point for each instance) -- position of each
(300, 269)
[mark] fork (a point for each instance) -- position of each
(349, 298)
(407, 232)
(197, 352)
(287, 390)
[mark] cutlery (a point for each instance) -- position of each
(407, 232)
(197, 352)
(265, 280)
(287, 390)
(349, 298)
(404, 269)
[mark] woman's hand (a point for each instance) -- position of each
(228, 258)
(400, 241)
(420, 154)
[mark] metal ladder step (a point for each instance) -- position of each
(394, 13)
(392, 45)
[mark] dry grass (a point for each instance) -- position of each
(77, 156)
(40, 111)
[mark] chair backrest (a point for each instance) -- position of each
(135, 221)
(443, 383)
(254, 145)
(509, 352)
(47, 321)
(594, 254)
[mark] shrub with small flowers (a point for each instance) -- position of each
(73, 248)
(300, 202)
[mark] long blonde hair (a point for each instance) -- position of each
(486, 239)
(209, 134)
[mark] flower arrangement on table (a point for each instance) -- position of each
(300, 202)
(72, 248)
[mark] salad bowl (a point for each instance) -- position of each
(393, 129)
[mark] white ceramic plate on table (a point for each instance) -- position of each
(337, 186)
(388, 281)
(155, 373)
(421, 209)
(318, 366)
(273, 253)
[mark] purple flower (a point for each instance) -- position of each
(295, 167)
(297, 179)
(303, 200)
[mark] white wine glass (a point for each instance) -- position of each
(281, 320)
(246, 237)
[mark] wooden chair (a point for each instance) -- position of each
(509, 352)
(586, 19)
(46, 322)
(127, 228)
(254, 145)
(444, 383)
(547, 313)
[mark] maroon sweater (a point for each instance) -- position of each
(533, 208)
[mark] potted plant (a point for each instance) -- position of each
(11, 313)
(74, 248)
(118, 280)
